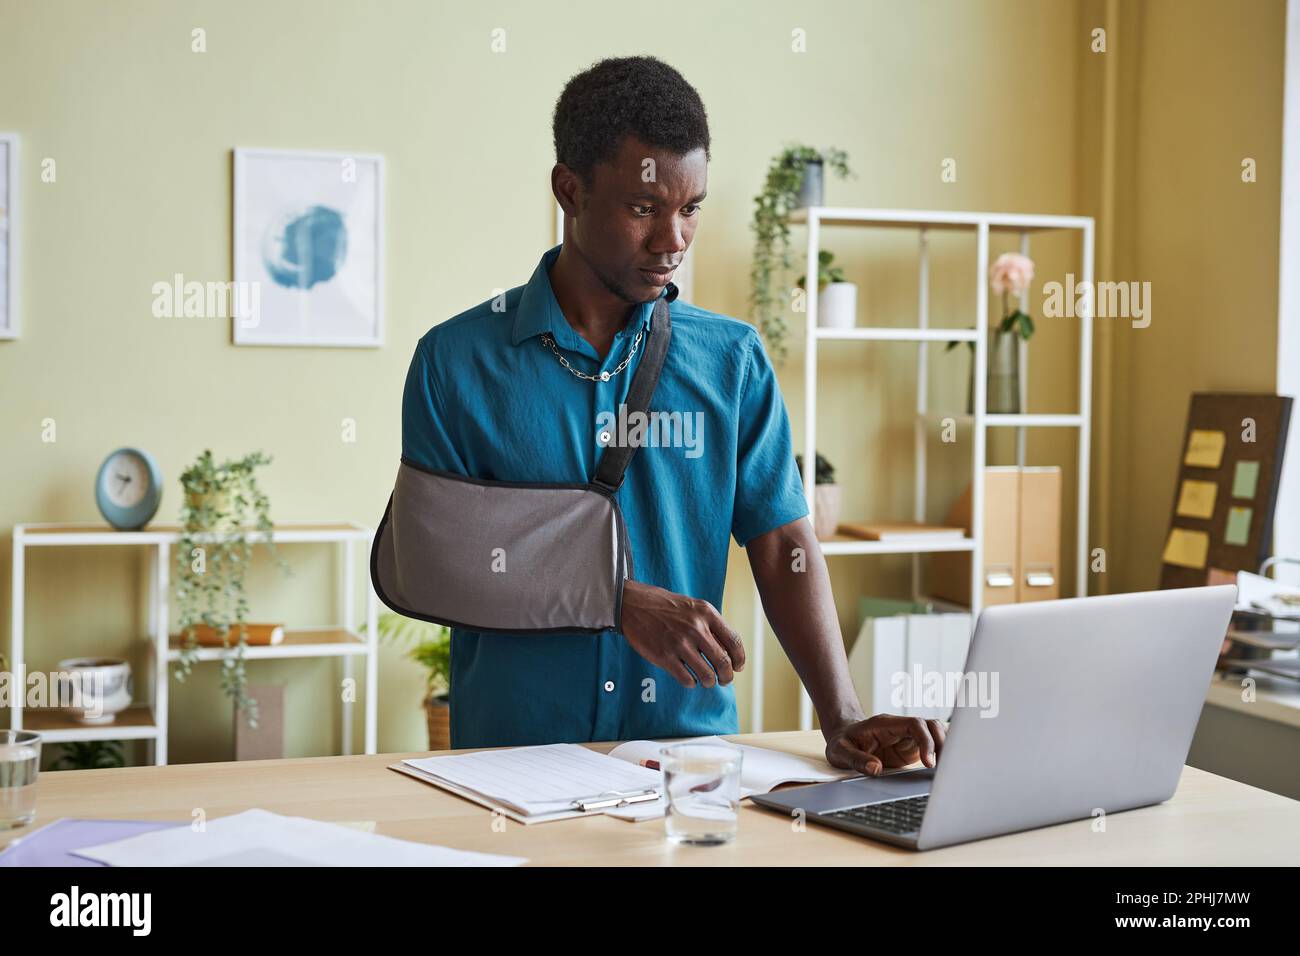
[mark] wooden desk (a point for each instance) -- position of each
(1210, 821)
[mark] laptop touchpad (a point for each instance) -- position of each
(829, 797)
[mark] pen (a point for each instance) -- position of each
(601, 802)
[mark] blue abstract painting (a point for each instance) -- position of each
(303, 248)
(309, 242)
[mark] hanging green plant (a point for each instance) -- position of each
(771, 262)
(212, 559)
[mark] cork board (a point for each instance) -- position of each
(1229, 466)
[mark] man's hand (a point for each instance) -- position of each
(677, 632)
(885, 741)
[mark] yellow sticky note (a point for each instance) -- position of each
(1204, 449)
(1196, 498)
(1187, 549)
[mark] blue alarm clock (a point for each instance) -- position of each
(128, 488)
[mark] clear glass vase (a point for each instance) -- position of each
(1003, 397)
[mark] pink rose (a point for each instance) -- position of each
(1012, 273)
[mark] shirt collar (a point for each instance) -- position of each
(538, 310)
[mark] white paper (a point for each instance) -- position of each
(261, 838)
(1258, 593)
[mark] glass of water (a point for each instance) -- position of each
(20, 759)
(702, 782)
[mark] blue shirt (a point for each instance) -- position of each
(485, 398)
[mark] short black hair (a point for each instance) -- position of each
(640, 95)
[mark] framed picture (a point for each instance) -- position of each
(308, 248)
(8, 236)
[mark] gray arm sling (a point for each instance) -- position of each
(509, 555)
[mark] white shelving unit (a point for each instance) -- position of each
(922, 222)
(148, 720)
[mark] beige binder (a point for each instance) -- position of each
(950, 571)
(1039, 577)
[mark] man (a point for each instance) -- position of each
(514, 390)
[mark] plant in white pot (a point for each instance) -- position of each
(795, 179)
(827, 498)
(837, 299)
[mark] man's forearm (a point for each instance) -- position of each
(795, 587)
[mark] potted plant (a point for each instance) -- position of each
(430, 645)
(837, 299)
(794, 181)
(1009, 275)
(826, 497)
(89, 755)
(212, 558)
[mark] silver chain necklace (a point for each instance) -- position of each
(603, 376)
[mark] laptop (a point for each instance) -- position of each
(1065, 708)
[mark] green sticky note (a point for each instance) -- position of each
(1238, 530)
(1244, 479)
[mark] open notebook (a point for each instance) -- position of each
(539, 784)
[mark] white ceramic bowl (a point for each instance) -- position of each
(95, 689)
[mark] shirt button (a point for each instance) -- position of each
(609, 686)
(604, 438)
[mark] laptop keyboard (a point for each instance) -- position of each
(894, 816)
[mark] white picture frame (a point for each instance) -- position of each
(334, 299)
(9, 314)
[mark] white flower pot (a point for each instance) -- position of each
(826, 508)
(98, 688)
(837, 306)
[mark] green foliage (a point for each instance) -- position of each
(826, 273)
(771, 263)
(825, 471)
(1015, 321)
(427, 644)
(217, 503)
(1018, 322)
(89, 755)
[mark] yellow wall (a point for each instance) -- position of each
(141, 129)
(1200, 91)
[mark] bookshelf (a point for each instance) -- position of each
(148, 720)
(923, 222)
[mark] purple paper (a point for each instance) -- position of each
(52, 845)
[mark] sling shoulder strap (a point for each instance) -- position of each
(614, 461)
